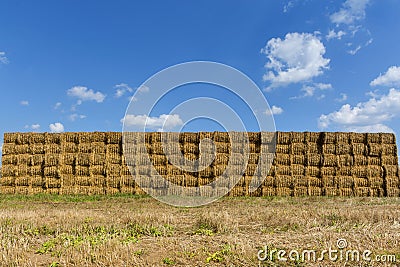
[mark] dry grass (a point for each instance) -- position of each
(49, 230)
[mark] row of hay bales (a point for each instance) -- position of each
(308, 163)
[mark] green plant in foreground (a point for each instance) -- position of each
(54, 264)
(46, 247)
(219, 255)
(168, 261)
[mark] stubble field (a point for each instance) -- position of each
(52, 230)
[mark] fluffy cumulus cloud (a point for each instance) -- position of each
(390, 78)
(335, 35)
(164, 121)
(275, 110)
(24, 103)
(351, 12)
(3, 58)
(85, 94)
(365, 116)
(298, 57)
(56, 127)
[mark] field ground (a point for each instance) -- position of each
(44, 230)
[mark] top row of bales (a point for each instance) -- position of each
(59, 138)
(334, 138)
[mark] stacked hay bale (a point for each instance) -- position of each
(303, 164)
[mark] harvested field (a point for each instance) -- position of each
(54, 230)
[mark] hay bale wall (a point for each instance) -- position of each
(305, 164)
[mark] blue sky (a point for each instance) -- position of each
(322, 65)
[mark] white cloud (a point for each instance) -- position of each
(354, 51)
(85, 94)
(163, 121)
(121, 89)
(343, 97)
(33, 127)
(376, 128)
(390, 78)
(143, 89)
(309, 90)
(365, 115)
(24, 103)
(297, 58)
(56, 127)
(75, 116)
(275, 110)
(335, 35)
(3, 58)
(57, 105)
(351, 12)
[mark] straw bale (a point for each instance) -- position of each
(251, 169)
(22, 170)
(114, 149)
(344, 171)
(345, 160)
(374, 138)
(374, 160)
(8, 170)
(297, 137)
(268, 181)
(330, 160)
(193, 157)
(85, 148)
(11, 138)
(282, 170)
(98, 159)
(389, 160)
(268, 148)
(374, 149)
(282, 159)
(268, 191)
(51, 160)
(22, 181)
(194, 148)
(206, 172)
(85, 137)
(391, 170)
(207, 191)
(375, 171)
(22, 190)
(176, 179)
(392, 181)
(328, 171)
(329, 149)
(236, 169)
(388, 138)
(389, 149)
(376, 182)
(313, 159)
(219, 170)
(300, 191)
(313, 171)
(314, 181)
(51, 171)
(71, 137)
(283, 138)
(7, 190)
(9, 160)
(54, 138)
(190, 180)
(222, 159)
(284, 181)
(393, 192)
(126, 170)
(115, 169)
(253, 158)
(344, 181)
(376, 192)
(343, 138)
(329, 138)
(158, 148)
(66, 169)
(346, 192)
(7, 181)
(361, 182)
(98, 147)
(209, 135)
(315, 191)
(300, 180)
(35, 170)
(254, 137)
(222, 137)
(144, 170)
(331, 191)
(298, 159)
(362, 191)
(82, 170)
(173, 170)
(68, 158)
(237, 147)
(298, 148)
(97, 169)
(311, 148)
(297, 169)
(83, 159)
(112, 182)
(204, 181)
(20, 149)
(359, 149)
(37, 148)
(360, 171)
(358, 138)
(68, 180)
(222, 147)
(312, 137)
(161, 170)
(98, 137)
(360, 160)
(268, 138)
(159, 160)
(237, 192)
(127, 181)
(114, 158)
(343, 148)
(114, 137)
(328, 181)
(283, 148)
(37, 180)
(283, 192)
